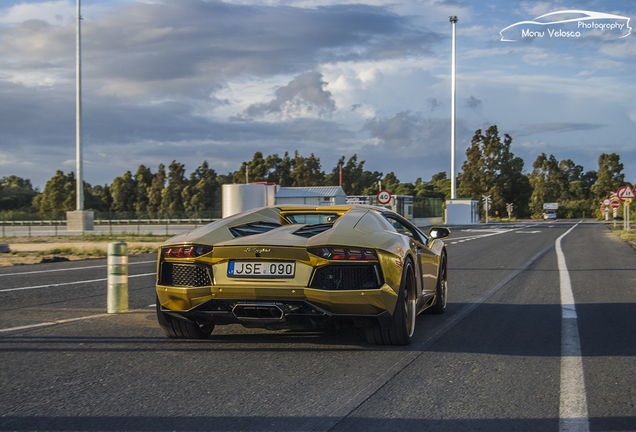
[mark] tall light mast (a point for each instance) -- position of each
(453, 20)
(78, 119)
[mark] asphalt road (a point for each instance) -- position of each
(494, 362)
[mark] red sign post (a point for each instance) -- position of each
(625, 194)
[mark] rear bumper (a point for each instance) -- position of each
(273, 314)
(333, 302)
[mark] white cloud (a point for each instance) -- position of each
(535, 9)
(59, 12)
(164, 76)
(304, 96)
(624, 50)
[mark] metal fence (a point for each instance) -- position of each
(22, 217)
(24, 223)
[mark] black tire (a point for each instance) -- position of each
(176, 328)
(402, 326)
(441, 294)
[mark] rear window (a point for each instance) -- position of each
(312, 218)
(253, 228)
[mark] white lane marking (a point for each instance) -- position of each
(573, 413)
(340, 409)
(46, 324)
(490, 232)
(71, 283)
(71, 269)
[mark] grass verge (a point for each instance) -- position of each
(33, 250)
(69, 250)
(101, 237)
(628, 236)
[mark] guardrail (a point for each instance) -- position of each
(34, 222)
(112, 222)
(151, 221)
(51, 227)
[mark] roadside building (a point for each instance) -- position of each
(314, 195)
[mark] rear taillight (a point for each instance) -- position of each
(343, 253)
(185, 251)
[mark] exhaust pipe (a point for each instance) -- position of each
(260, 312)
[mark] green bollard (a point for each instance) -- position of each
(117, 277)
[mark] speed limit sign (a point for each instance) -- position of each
(384, 197)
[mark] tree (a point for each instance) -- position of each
(589, 178)
(171, 199)
(202, 190)
(279, 169)
(58, 195)
(225, 178)
(543, 179)
(143, 182)
(258, 170)
(438, 187)
(123, 190)
(103, 198)
(492, 169)
(306, 171)
(439, 176)
(570, 170)
(355, 179)
(156, 189)
(610, 176)
(16, 193)
(563, 182)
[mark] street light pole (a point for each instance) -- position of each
(79, 220)
(78, 120)
(453, 20)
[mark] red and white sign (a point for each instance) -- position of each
(615, 204)
(605, 209)
(620, 192)
(624, 193)
(606, 202)
(384, 197)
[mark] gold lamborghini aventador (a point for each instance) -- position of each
(302, 267)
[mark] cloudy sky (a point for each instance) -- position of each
(196, 80)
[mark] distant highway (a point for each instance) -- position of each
(538, 336)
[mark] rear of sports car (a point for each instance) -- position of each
(273, 276)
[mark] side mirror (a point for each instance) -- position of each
(438, 233)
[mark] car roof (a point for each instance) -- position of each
(332, 208)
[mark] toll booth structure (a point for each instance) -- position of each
(462, 211)
(421, 211)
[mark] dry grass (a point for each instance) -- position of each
(70, 250)
(33, 250)
(628, 236)
(102, 237)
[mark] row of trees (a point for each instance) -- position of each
(169, 192)
(490, 169)
(143, 192)
(16, 192)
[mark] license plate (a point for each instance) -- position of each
(261, 269)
